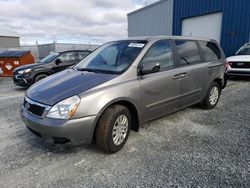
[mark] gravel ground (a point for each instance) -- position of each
(190, 148)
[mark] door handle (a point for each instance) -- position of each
(184, 75)
(181, 75)
(176, 77)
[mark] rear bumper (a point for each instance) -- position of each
(72, 132)
(238, 72)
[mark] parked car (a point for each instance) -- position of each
(239, 65)
(121, 86)
(55, 62)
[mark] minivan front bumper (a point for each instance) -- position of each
(72, 132)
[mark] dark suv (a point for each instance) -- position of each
(26, 75)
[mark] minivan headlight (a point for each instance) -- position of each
(25, 71)
(64, 109)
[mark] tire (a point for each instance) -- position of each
(40, 77)
(108, 128)
(212, 96)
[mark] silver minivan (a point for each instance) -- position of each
(121, 86)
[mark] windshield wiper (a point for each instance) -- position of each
(88, 70)
(96, 71)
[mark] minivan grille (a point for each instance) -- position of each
(34, 107)
(240, 65)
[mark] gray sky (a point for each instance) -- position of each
(71, 21)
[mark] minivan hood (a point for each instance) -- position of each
(243, 58)
(67, 83)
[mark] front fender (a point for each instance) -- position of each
(96, 101)
(117, 100)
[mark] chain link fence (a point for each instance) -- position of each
(41, 51)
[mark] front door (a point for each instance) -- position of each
(67, 59)
(160, 90)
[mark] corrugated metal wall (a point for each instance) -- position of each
(235, 24)
(155, 19)
(9, 42)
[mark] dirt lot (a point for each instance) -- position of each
(193, 147)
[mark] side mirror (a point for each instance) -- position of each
(58, 61)
(149, 68)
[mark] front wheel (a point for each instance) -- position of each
(212, 96)
(113, 128)
(40, 77)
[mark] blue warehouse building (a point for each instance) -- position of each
(227, 21)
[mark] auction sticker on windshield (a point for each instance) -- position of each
(136, 45)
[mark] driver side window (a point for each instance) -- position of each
(160, 52)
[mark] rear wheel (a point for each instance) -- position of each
(212, 96)
(113, 128)
(40, 77)
(224, 81)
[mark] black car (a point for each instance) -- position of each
(55, 62)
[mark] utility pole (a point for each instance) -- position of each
(37, 48)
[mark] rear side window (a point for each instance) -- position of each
(82, 55)
(188, 52)
(210, 50)
(160, 52)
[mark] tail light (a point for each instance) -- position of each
(226, 64)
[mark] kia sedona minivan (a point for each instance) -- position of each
(55, 62)
(121, 86)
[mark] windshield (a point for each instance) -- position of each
(245, 50)
(113, 57)
(49, 58)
